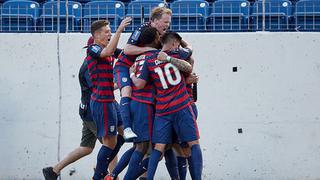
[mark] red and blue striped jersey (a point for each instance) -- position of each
(101, 74)
(125, 60)
(147, 94)
(190, 92)
(171, 92)
(184, 54)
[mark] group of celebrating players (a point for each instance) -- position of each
(156, 112)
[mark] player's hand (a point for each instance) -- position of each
(133, 68)
(192, 78)
(162, 56)
(124, 23)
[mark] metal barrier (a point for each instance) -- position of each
(188, 15)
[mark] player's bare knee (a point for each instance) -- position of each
(191, 143)
(142, 147)
(160, 147)
(126, 91)
(110, 141)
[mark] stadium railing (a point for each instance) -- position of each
(188, 15)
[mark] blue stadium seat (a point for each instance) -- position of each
(189, 15)
(307, 15)
(135, 11)
(114, 11)
(69, 21)
(19, 16)
(277, 16)
(229, 15)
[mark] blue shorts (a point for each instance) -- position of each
(105, 116)
(195, 110)
(183, 122)
(121, 76)
(142, 115)
(117, 107)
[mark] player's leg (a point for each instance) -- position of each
(104, 115)
(120, 139)
(171, 163)
(181, 160)
(123, 80)
(142, 115)
(187, 130)
(124, 160)
(161, 136)
(87, 144)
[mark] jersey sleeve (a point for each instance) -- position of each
(117, 52)
(135, 36)
(94, 51)
(143, 71)
(185, 53)
(87, 78)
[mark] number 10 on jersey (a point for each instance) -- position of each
(168, 69)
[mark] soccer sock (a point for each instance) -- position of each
(153, 163)
(171, 163)
(125, 111)
(143, 166)
(123, 162)
(120, 142)
(196, 161)
(182, 166)
(102, 163)
(190, 167)
(135, 160)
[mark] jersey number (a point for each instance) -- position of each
(167, 72)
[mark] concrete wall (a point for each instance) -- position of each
(273, 97)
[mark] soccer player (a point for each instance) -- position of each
(160, 18)
(100, 65)
(142, 113)
(173, 39)
(173, 109)
(89, 130)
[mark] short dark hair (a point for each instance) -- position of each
(169, 36)
(148, 35)
(96, 25)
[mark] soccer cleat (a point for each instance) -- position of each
(128, 133)
(108, 177)
(49, 174)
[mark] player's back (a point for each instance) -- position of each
(171, 92)
(147, 93)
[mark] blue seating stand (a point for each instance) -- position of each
(69, 21)
(229, 15)
(307, 15)
(113, 11)
(136, 8)
(19, 16)
(189, 15)
(277, 15)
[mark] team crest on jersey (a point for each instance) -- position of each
(95, 49)
(124, 79)
(136, 35)
(112, 128)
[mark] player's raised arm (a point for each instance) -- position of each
(112, 46)
(130, 49)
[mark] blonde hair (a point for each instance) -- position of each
(157, 12)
